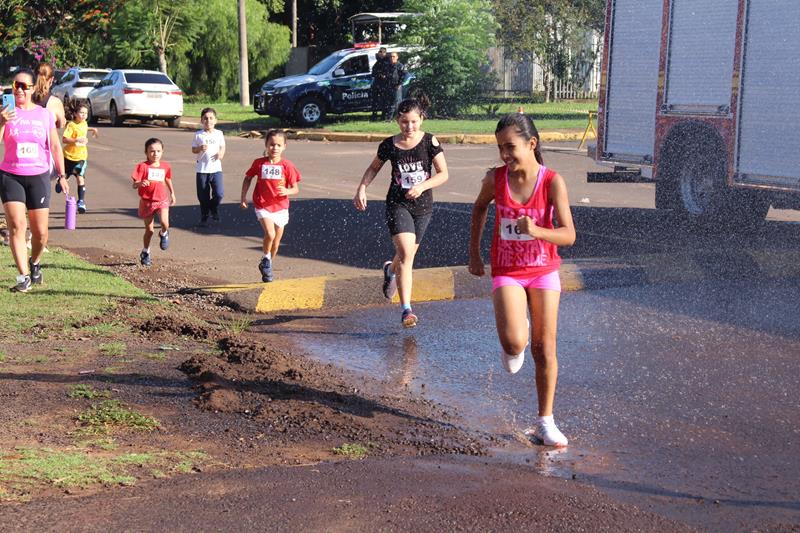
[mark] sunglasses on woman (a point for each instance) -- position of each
(22, 85)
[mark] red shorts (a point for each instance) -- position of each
(148, 208)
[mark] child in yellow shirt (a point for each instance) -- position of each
(76, 154)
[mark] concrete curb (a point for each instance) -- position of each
(446, 138)
(453, 283)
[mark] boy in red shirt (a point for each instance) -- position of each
(277, 180)
(153, 180)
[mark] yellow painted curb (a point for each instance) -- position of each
(301, 293)
(432, 284)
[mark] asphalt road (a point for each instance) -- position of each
(678, 398)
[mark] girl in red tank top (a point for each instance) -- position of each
(532, 218)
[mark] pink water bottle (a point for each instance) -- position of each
(70, 212)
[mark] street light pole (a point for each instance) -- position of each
(244, 75)
(294, 23)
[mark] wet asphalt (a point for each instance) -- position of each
(682, 399)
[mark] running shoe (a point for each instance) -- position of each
(547, 433)
(215, 216)
(81, 206)
(203, 222)
(144, 259)
(409, 319)
(389, 281)
(23, 284)
(36, 272)
(164, 240)
(265, 267)
(512, 363)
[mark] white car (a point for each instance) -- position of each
(142, 94)
(76, 83)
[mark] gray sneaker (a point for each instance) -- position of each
(265, 267)
(36, 272)
(144, 259)
(23, 284)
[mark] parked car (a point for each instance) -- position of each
(76, 83)
(142, 94)
(340, 83)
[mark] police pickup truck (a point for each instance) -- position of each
(338, 84)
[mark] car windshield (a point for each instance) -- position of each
(147, 77)
(95, 75)
(325, 65)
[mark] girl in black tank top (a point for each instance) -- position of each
(414, 155)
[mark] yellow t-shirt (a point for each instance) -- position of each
(72, 151)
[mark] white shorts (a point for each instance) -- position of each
(279, 218)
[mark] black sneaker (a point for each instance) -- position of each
(36, 272)
(23, 284)
(164, 240)
(203, 222)
(144, 259)
(215, 216)
(265, 267)
(81, 207)
(389, 281)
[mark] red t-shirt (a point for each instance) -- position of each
(157, 191)
(268, 177)
(514, 254)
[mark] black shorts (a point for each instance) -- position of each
(74, 168)
(33, 191)
(401, 220)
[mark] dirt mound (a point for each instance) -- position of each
(167, 324)
(300, 401)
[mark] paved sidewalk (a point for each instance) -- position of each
(448, 138)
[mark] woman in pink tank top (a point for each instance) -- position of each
(532, 218)
(31, 145)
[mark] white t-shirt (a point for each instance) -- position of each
(214, 140)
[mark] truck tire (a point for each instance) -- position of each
(309, 111)
(706, 197)
(174, 122)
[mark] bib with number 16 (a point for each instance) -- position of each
(510, 232)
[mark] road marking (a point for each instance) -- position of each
(303, 293)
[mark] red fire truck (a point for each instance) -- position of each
(704, 97)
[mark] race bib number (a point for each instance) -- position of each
(156, 174)
(510, 232)
(27, 151)
(271, 172)
(409, 179)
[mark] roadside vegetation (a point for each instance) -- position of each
(478, 119)
(73, 291)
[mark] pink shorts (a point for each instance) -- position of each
(148, 208)
(551, 282)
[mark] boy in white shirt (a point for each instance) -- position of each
(209, 145)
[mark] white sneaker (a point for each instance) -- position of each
(547, 433)
(512, 363)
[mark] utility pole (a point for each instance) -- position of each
(294, 23)
(244, 75)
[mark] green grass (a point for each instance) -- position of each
(237, 326)
(112, 349)
(81, 390)
(105, 417)
(480, 119)
(351, 451)
(23, 469)
(105, 329)
(73, 291)
(3, 358)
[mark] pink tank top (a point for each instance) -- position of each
(514, 254)
(27, 141)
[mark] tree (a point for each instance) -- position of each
(144, 33)
(212, 67)
(547, 31)
(452, 38)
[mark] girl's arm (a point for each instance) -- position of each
(221, 152)
(168, 182)
(440, 178)
(95, 132)
(564, 234)
(245, 187)
(58, 159)
(360, 199)
(479, 212)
